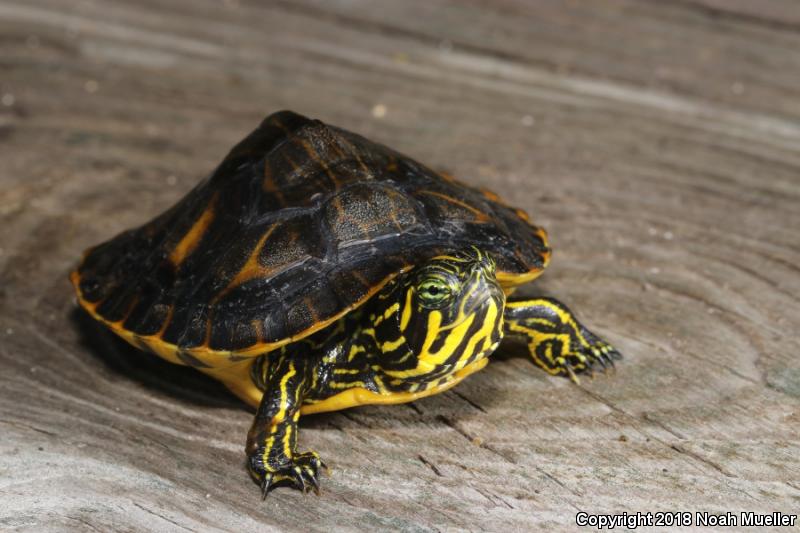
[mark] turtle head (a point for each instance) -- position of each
(449, 314)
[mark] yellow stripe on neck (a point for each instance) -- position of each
(484, 334)
(406, 316)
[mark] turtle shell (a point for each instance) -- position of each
(300, 223)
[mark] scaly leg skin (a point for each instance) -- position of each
(557, 341)
(272, 440)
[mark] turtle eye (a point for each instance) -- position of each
(433, 292)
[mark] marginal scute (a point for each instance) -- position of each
(91, 289)
(235, 336)
(300, 223)
(190, 360)
(148, 317)
(188, 327)
(117, 306)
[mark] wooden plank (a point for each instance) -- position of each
(657, 142)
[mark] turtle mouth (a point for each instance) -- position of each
(487, 352)
(483, 354)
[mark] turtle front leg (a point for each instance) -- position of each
(272, 440)
(556, 340)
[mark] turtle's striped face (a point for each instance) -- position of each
(449, 314)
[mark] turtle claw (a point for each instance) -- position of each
(299, 479)
(600, 359)
(571, 372)
(598, 355)
(607, 355)
(300, 472)
(306, 472)
(266, 483)
(315, 484)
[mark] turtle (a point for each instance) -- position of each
(315, 270)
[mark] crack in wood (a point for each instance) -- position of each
(166, 519)
(83, 522)
(355, 419)
(430, 465)
(414, 407)
(493, 498)
(28, 426)
(469, 401)
(720, 13)
(697, 457)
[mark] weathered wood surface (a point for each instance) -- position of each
(659, 142)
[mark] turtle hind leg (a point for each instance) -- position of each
(556, 340)
(272, 457)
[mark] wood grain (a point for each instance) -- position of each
(658, 141)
